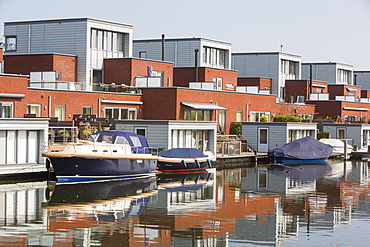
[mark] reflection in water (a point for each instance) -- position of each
(275, 205)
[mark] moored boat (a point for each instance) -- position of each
(184, 160)
(110, 155)
(338, 146)
(306, 150)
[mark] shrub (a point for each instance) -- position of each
(263, 119)
(287, 118)
(236, 128)
(323, 134)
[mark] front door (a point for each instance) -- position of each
(262, 140)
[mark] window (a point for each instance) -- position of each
(107, 40)
(289, 68)
(222, 121)
(142, 54)
(120, 113)
(197, 115)
(191, 139)
(34, 109)
(256, 116)
(343, 76)
(214, 57)
(11, 43)
(140, 131)
(87, 110)
(239, 116)
(60, 112)
(341, 133)
(297, 134)
(217, 83)
(351, 118)
(6, 109)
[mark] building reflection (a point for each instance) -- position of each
(262, 205)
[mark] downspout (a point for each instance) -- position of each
(49, 106)
(310, 78)
(196, 65)
(99, 106)
(162, 47)
(29, 39)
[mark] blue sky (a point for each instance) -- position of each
(317, 30)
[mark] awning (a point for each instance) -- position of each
(355, 108)
(351, 89)
(203, 106)
(12, 95)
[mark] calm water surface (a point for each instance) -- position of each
(305, 205)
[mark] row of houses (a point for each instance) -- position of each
(179, 92)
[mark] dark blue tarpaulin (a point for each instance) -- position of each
(303, 149)
(183, 153)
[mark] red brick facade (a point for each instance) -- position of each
(66, 65)
(262, 83)
(125, 70)
(294, 88)
(344, 90)
(182, 76)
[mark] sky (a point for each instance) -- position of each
(316, 30)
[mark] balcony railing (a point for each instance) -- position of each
(319, 96)
(62, 85)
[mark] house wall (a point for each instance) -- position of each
(1, 54)
(180, 51)
(125, 70)
(336, 108)
(302, 88)
(24, 64)
(265, 65)
(165, 104)
(182, 76)
(353, 131)
(65, 36)
(365, 93)
(341, 90)
(262, 83)
(325, 72)
(362, 79)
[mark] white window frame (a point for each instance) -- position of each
(131, 112)
(10, 46)
(32, 107)
(258, 115)
(62, 114)
(6, 104)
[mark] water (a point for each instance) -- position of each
(305, 205)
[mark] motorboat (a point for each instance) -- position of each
(108, 155)
(338, 146)
(184, 160)
(306, 150)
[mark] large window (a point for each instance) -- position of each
(11, 43)
(107, 40)
(297, 134)
(257, 116)
(239, 116)
(214, 57)
(289, 68)
(197, 115)
(34, 109)
(351, 118)
(343, 76)
(6, 109)
(60, 112)
(120, 113)
(191, 139)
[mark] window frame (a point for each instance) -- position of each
(7, 43)
(7, 104)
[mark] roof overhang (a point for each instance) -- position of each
(122, 102)
(351, 89)
(355, 108)
(203, 106)
(12, 95)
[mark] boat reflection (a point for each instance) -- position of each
(80, 193)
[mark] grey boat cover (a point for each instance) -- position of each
(306, 148)
(183, 153)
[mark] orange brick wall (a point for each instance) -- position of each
(124, 70)
(341, 90)
(182, 76)
(262, 83)
(24, 64)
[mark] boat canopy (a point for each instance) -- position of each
(137, 142)
(183, 153)
(306, 148)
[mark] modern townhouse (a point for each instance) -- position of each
(278, 66)
(331, 72)
(91, 40)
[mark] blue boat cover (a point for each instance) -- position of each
(306, 148)
(144, 148)
(183, 153)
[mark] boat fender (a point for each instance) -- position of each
(209, 164)
(197, 162)
(183, 163)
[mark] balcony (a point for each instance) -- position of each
(319, 96)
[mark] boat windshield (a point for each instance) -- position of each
(109, 139)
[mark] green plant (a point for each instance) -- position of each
(287, 118)
(236, 128)
(86, 133)
(100, 126)
(63, 133)
(263, 119)
(323, 134)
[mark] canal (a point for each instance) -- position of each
(306, 205)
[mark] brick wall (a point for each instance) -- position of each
(24, 64)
